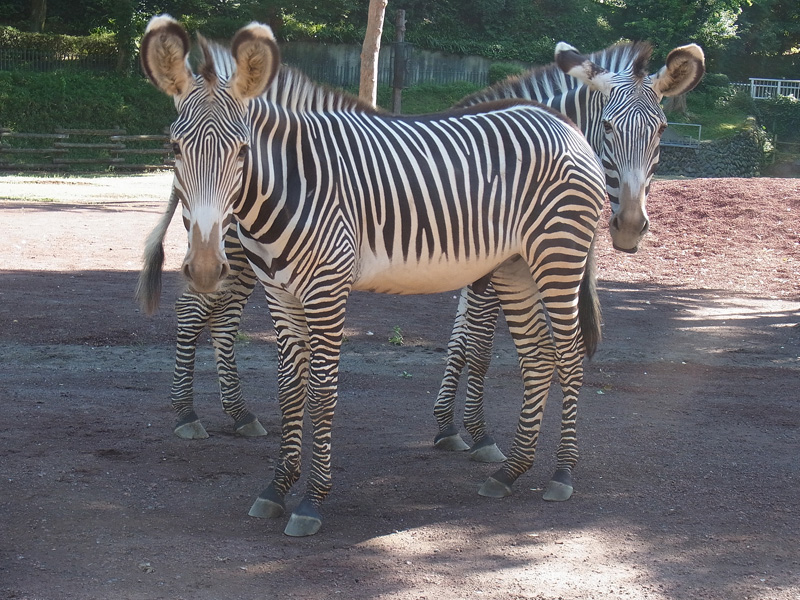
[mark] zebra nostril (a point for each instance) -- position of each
(614, 222)
(187, 271)
(224, 270)
(646, 227)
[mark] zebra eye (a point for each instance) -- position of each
(661, 129)
(607, 126)
(244, 150)
(176, 149)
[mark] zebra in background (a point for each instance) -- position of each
(332, 201)
(220, 311)
(615, 102)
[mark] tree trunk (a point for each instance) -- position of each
(38, 15)
(368, 88)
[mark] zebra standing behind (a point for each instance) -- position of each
(332, 201)
(616, 103)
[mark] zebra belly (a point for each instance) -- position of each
(421, 277)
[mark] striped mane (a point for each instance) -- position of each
(549, 81)
(291, 89)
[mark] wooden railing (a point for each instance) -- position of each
(86, 149)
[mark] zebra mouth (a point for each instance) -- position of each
(633, 250)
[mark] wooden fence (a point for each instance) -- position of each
(83, 149)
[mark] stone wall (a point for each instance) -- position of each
(741, 155)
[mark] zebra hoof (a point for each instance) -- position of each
(268, 505)
(304, 521)
(251, 429)
(560, 487)
(492, 488)
(191, 431)
(486, 451)
(449, 439)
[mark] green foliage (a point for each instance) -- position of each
(397, 336)
(427, 98)
(501, 71)
(101, 43)
(42, 102)
(780, 116)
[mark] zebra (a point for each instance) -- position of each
(615, 102)
(332, 201)
(221, 312)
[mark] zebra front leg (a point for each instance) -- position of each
(224, 326)
(448, 437)
(193, 311)
(482, 310)
(293, 361)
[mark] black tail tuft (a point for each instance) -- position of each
(589, 315)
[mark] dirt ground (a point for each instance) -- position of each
(689, 425)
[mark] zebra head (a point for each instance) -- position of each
(631, 125)
(211, 134)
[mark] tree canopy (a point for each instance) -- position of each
(738, 35)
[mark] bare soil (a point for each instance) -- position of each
(689, 425)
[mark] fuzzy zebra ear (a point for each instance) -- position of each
(685, 68)
(257, 60)
(576, 65)
(164, 51)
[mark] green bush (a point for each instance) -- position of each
(780, 116)
(501, 71)
(42, 102)
(101, 43)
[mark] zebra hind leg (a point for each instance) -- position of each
(193, 312)
(224, 325)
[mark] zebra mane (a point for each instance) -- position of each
(632, 58)
(291, 89)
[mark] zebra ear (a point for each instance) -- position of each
(257, 60)
(164, 51)
(576, 65)
(684, 70)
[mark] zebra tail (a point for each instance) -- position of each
(148, 288)
(589, 315)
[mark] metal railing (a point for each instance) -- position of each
(682, 135)
(762, 89)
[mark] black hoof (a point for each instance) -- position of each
(560, 487)
(497, 486)
(268, 505)
(305, 520)
(248, 426)
(486, 451)
(449, 439)
(190, 428)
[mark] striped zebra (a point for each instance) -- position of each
(332, 201)
(220, 311)
(615, 102)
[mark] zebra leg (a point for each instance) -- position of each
(482, 311)
(448, 437)
(224, 325)
(325, 314)
(471, 345)
(521, 305)
(193, 312)
(293, 365)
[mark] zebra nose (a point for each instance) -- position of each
(205, 278)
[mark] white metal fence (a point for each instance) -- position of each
(761, 89)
